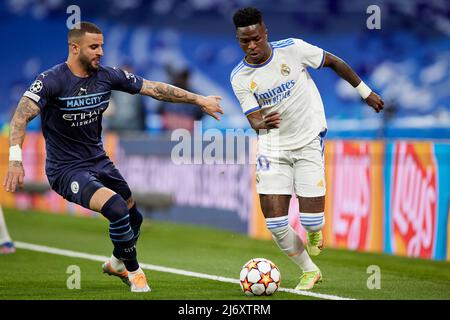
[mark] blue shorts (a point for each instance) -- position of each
(79, 184)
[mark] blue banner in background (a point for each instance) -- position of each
(442, 154)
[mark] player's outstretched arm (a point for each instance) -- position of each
(26, 111)
(166, 92)
(346, 72)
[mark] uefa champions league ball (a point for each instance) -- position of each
(260, 276)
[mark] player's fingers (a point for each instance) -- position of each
(274, 123)
(216, 97)
(21, 180)
(273, 116)
(9, 183)
(6, 183)
(273, 113)
(12, 184)
(273, 120)
(214, 116)
(220, 110)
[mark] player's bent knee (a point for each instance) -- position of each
(115, 209)
(99, 197)
(131, 202)
(311, 204)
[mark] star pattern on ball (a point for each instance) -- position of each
(246, 285)
(252, 265)
(265, 279)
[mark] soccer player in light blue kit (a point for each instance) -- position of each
(71, 98)
(283, 105)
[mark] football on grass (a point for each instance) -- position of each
(259, 277)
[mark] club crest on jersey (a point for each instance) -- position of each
(285, 70)
(75, 187)
(82, 92)
(253, 85)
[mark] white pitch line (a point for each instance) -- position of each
(93, 257)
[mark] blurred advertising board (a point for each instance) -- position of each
(391, 197)
(417, 191)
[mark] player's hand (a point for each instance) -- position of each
(272, 120)
(15, 176)
(375, 102)
(211, 105)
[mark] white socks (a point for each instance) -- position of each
(289, 241)
(4, 235)
(117, 264)
(312, 222)
(132, 274)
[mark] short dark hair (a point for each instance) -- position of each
(81, 28)
(246, 17)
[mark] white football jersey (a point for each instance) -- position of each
(283, 84)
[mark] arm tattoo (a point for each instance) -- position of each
(26, 111)
(17, 164)
(166, 92)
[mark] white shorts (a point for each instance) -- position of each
(301, 171)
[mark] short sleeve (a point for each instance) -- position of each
(310, 55)
(246, 98)
(125, 81)
(42, 89)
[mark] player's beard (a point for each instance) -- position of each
(87, 63)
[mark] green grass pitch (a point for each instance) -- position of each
(35, 275)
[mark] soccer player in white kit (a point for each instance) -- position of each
(283, 105)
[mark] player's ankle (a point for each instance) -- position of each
(117, 264)
(132, 274)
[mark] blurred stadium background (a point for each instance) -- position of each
(388, 174)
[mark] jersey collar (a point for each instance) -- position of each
(259, 65)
